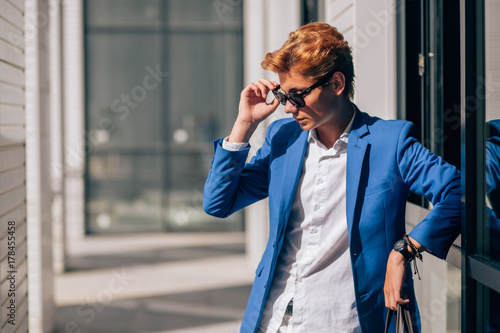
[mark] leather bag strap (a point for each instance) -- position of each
(403, 321)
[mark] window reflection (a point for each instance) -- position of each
(488, 91)
(492, 156)
(494, 318)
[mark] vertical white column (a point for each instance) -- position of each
(73, 115)
(256, 216)
(56, 137)
(38, 198)
(266, 27)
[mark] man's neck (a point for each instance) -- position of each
(330, 132)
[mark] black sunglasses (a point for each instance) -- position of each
(297, 99)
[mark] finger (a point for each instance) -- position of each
(254, 88)
(403, 301)
(263, 87)
(393, 304)
(269, 84)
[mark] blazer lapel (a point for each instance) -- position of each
(356, 150)
(292, 168)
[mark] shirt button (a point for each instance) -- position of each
(298, 280)
(317, 207)
(320, 181)
(313, 231)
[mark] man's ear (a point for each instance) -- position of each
(338, 83)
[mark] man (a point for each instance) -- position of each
(337, 181)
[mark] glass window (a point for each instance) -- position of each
(163, 81)
(196, 13)
(110, 13)
(123, 91)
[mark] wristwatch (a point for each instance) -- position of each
(402, 247)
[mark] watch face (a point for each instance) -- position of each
(400, 245)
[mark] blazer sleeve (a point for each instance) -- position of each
(426, 174)
(233, 184)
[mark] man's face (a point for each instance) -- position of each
(320, 103)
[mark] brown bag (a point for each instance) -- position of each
(403, 323)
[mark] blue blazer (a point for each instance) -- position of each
(384, 164)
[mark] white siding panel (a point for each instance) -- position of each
(349, 37)
(11, 74)
(345, 21)
(11, 115)
(12, 136)
(336, 8)
(17, 264)
(19, 298)
(11, 54)
(11, 158)
(11, 95)
(12, 200)
(11, 34)
(23, 325)
(20, 257)
(15, 214)
(19, 4)
(11, 179)
(12, 14)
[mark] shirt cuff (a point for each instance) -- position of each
(234, 146)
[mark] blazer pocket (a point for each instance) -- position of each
(382, 187)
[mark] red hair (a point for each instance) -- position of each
(314, 50)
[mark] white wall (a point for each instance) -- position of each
(12, 164)
(370, 28)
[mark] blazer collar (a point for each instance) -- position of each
(359, 127)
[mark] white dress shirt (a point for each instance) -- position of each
(314, 266)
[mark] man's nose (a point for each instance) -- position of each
(289, 108)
